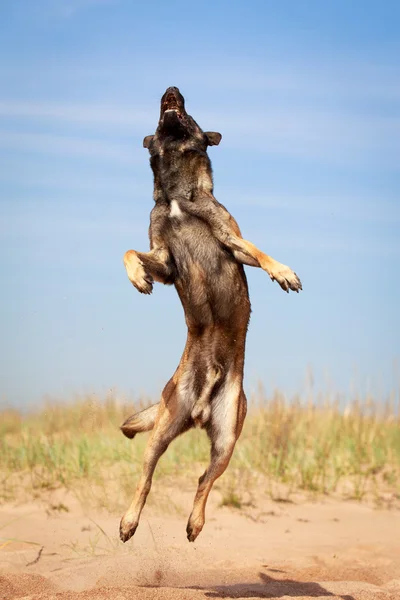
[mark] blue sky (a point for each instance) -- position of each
(306, 96)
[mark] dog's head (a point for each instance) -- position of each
(175, 125)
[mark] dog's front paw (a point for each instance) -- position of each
(286, 278)
(137, 274)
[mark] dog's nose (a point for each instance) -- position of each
(172, 90)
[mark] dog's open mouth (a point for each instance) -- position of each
(171, 105)
(173, 117)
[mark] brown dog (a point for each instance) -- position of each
(196, 245)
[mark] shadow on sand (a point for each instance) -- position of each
(268, 588)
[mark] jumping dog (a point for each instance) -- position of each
(195, 244)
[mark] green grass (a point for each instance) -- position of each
(285, 448)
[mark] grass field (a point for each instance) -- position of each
(286, 448)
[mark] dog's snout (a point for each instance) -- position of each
(172, 90)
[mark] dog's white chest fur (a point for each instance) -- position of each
(175, 210)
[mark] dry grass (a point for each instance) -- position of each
(285, 447)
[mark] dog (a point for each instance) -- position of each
(196, 245)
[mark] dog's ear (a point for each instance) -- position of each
(213, 138)
(147, 141)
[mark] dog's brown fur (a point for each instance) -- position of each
(196, 245)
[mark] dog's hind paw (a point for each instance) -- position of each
(193, 530)
(126, 529)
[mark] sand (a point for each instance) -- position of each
(324, 549)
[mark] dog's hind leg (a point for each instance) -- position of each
(170, 422)
(225, 425)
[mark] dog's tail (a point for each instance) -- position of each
(141, 421)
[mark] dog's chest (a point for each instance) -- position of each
(175, 211)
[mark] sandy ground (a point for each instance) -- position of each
(327, 549)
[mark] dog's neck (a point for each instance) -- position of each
(181, 175)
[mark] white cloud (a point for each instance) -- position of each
(367, 209)
(306, 132)
(334, 243)
(104, 116)
(341, 79)
(36, 225)
(341, 138)
(99, 184)
(329, 82)
(122, 153)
